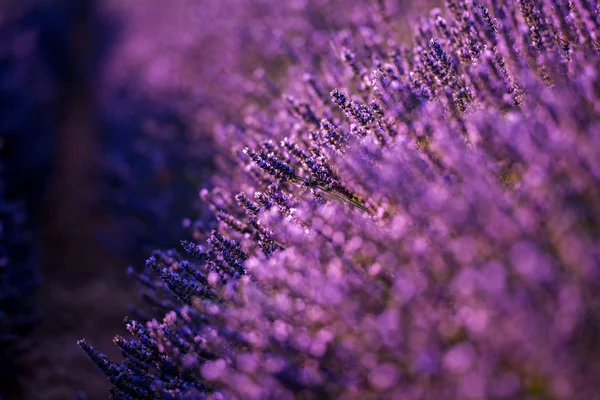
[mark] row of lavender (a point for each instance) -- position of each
(26, 155)
(134, 143)
(411, 222)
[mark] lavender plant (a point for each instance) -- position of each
(156, 140)
(428, 230)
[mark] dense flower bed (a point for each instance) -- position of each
(405, 221)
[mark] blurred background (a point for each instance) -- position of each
(107, 110)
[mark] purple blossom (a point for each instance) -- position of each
(432, 232)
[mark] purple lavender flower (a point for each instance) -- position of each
(431, 231)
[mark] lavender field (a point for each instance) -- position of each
(307, 199)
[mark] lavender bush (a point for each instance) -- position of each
(403, 222)
(169, 83)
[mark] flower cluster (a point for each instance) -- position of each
(164, 94)
(429, 230)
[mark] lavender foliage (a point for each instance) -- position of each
(429, 230)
